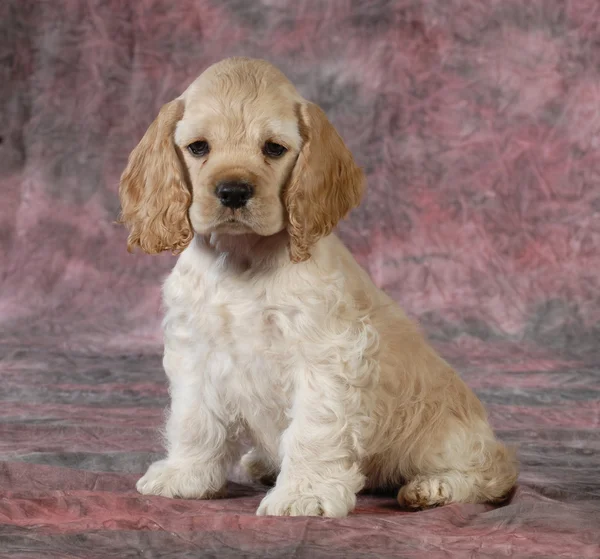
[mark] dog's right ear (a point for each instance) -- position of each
(325, 183)
(155, 196)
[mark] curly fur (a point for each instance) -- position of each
(325, 183)
(272, 329)
(155, 196)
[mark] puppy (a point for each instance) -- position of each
(272, 330)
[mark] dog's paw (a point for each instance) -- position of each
(425, 492)
(180, 481)
(284, 502)
(257, 468)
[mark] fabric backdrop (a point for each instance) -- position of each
(478, 125)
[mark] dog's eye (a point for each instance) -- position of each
(199, 148)
(271, 149)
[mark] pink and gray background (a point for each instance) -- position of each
(478, 125)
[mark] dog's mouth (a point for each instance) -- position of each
(241, 221)
(234, 217)
(233, 223)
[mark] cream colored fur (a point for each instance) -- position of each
(274, 332)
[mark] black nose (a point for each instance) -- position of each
(234, 194)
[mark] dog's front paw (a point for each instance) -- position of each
(181, 481)
(284, 501)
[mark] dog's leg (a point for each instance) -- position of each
(199, 449)
(320, 472)
(487, 478)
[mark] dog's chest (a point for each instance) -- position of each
(241, 335)
(241, 320)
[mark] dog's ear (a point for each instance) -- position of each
(154, 192)
(325, 183)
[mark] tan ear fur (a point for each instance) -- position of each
(325, 183)
(155, 196)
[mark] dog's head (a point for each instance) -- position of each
(239, 152)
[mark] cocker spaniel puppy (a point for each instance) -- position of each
(272, 330)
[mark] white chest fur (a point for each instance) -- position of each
(249, 344)
(224, 338)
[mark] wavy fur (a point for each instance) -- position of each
(336, 388)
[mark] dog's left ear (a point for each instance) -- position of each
(325, 183)
(154, 191)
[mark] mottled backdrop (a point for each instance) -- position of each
(478, 124)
